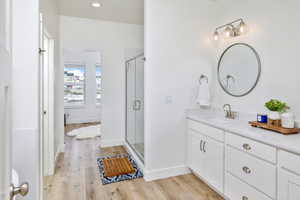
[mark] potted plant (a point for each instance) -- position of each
(275, 107)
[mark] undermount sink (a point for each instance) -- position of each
(222, 120)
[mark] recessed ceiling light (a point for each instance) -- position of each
(96, 4)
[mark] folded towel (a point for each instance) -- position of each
(203, 98)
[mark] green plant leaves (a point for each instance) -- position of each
(276, 105)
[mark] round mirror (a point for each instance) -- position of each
(239, 69)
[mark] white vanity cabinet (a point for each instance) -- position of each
(206, 155)
(240, 167)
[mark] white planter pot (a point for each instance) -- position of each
(274, 115)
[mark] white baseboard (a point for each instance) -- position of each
(81, 121)
(111, 143)
(152, 175)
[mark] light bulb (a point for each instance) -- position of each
(216, 35)
(242, 28)
(228, 32)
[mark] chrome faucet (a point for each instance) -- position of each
(228, 112)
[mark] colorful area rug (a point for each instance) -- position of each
(125, 169)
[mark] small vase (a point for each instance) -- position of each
(274, 115)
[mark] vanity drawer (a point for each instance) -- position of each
(236, 189)
(289, 161)
(260, 150)
(209, 131)
(256, 172)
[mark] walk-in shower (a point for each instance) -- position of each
(135, 104)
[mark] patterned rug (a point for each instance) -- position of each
(108, 180)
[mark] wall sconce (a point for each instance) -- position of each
(231, 30)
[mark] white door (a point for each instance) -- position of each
(5, 100)
(195, 152)
(289, 186)
(214, 162)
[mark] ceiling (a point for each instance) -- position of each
(125, 11)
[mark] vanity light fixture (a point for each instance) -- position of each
(96, 4)
(230, 29)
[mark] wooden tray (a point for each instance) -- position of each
(284, 131)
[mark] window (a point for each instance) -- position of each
(98, 84)
(74, 85)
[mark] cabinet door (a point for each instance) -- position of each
(288, 186)
(195, 155)
(214, 163)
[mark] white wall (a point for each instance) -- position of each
(274, 33)
(49, 10)
(111, 39)
(25, 93)
(90, 111)
(178, 51)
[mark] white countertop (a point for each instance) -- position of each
(241, 127)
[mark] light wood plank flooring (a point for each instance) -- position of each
(77, 178)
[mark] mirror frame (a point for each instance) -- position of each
(259, 69)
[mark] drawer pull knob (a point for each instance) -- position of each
(244, 198)
(247, 147)
(246, 170)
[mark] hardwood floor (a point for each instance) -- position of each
(77, 178)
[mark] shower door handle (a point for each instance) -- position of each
(137, 105)
(134, 105)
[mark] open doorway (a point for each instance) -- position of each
(93, 54)
(82, 93)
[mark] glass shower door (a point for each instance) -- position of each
(130, 107)
(135, 105)
(139, 96)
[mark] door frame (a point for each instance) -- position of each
(48, 153)
(6, 56)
